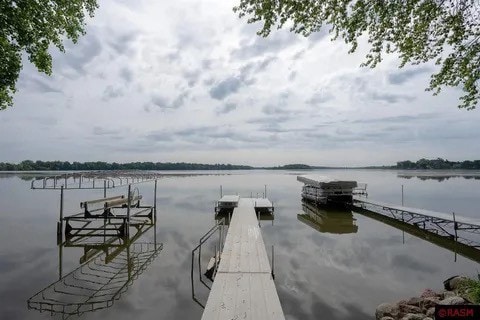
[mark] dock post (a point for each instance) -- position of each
(273, 262)
(219, 239)
(155, 202)
(455, 226)
(221, 191)
(215, 264)
(60, 261)
(129, 202)
(258, 213)
(402, 195)
(80, 183)
(104, 188)
(61, 203)
(60, 221)
(55, 182)
(273, 213)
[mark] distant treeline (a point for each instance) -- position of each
(439, 163)
(296, 166)
(29, 165)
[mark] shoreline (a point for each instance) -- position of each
(458, 290)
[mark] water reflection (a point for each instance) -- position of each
(439, 176)
(327, 220)
(25, 176)
(107, 269)
(318, 275)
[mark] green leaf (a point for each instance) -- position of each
(32, 26)
(445, 32)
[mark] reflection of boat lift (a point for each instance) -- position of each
(107, 269)
(327, 221)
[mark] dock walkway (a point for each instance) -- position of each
(243, 286)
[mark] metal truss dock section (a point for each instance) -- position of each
(243, 287)
(437, 222)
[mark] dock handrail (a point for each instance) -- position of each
(203, 239)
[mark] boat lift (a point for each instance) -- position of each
(105, 217)
(92, 180)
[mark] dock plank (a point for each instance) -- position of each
(262, 203)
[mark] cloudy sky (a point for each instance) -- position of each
(189, 81)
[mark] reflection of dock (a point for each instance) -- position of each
(327, 220)
(452, 232)
(243, 286)
(108, 268)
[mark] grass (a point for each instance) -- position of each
(470, 289)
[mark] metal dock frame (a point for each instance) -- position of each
(431, 221)
(113, 224)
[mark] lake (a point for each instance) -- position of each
(330, 273)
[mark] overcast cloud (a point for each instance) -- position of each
(189, 81)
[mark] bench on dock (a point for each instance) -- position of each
(107, 204)
(99, 219)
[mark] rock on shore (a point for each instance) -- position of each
(422, 307)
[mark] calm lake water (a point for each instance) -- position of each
(327, 275)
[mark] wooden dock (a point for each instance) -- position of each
(243, 286)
